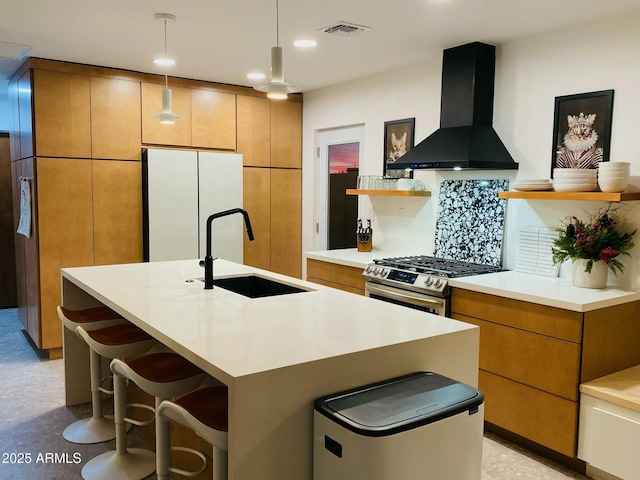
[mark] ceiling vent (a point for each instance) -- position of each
(344, 29)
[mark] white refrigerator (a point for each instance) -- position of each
(180, 190)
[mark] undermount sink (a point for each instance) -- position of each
(253, 286)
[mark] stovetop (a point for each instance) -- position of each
(421, 273)
(437, 266)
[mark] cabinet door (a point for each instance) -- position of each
(117, 211)
(172, 204)
(213, 119)
(286, 221)
(156, 133)
(544, 418)
(220, 189)
(65, 233)
(62, 114)
(254, 131)
(256, 194)
(286, 134)
(25, 125)
(115, 119)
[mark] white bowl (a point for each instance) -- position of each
(614, 166)
(608, 185)
(613, 172)
(614, 176)
(573, 169)
(626, 165)
(575, 187)
(583, 174)
(568, 181)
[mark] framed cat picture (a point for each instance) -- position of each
(398, 140)
(582, 130)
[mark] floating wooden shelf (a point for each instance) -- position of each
(389, 193)
(551, 195)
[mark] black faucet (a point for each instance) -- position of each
(208, 259)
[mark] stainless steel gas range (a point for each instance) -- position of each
(419, 282)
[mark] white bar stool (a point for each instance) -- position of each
(206, 412)
(97, 428)
(163, 375)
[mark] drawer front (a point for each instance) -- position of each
(551, 321)
(538, 416)
(539, 361)
(609, 437)
(334, 273)
(339, 286)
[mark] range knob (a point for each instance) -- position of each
(429, 281)
(383, 272)
(368, 269)
(438, 283)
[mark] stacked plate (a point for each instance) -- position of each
(575, 179)
(532, 184)
(613, 176)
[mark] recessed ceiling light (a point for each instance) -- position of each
(256, 76)
(164, 62)
(305, 43)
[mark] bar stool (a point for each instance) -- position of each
(206, 412)
(163, 375)
(98, 427)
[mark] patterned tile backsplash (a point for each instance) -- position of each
(470, 221)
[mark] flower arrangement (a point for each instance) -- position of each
(596, 239)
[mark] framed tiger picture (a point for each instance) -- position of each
(582, 130)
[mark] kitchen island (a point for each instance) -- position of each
(276, 354)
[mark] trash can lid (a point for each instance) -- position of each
(400, 404)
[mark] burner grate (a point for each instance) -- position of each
(437, 266)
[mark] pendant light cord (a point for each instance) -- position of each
(277, 25)
(166, 80)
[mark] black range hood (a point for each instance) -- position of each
(466, 138)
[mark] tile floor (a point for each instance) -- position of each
(33, 415)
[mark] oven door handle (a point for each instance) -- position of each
(404, 296)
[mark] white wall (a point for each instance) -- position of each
(530, 73)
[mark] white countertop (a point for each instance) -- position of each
(554, 292)
(351, 257)
(242, 336)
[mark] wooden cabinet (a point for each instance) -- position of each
(286, 134)
(534, 357)
(270, 141)
(115, 119)
(272, 197)
(62, 114)
(209, 118)
(256, 190)
(65, 233)
(254, 131)
(213, 119)
(286, 221)
(117, 212)
(156, 133)
(270, 132)
(335, 275)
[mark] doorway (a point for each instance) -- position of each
(340, 152)
(8, 294)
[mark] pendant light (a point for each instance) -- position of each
(277, 88)
(166, 117)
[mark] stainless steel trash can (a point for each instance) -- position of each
(415, 427)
